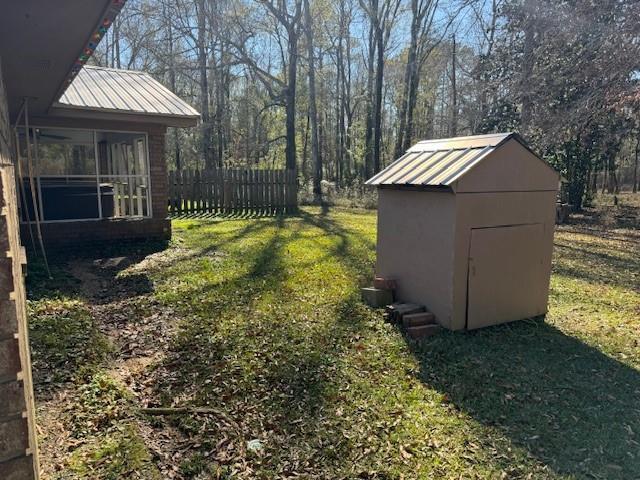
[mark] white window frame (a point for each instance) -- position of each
(95, 177)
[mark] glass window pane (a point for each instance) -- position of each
(65, 152)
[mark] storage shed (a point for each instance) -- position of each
(465, 226)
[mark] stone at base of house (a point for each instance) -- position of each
(376, 297)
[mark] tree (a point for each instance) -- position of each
(316, 158)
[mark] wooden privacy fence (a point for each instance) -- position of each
(225, 190)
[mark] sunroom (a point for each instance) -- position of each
(80, 174)
(93, 168)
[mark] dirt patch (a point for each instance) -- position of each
(118, 295)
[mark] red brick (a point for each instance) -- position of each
(6, 275)
(422, 331)
(397, 310)
(418, 319)
(8, 324)
(12, 399)
(384, 283)
(9, 358)
(4, 234)
(14, 438)
(20, 468)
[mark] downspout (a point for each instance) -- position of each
(19, 181)
(36, 208)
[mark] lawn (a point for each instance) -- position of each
(257, 324)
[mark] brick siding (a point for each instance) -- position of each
(18, 448)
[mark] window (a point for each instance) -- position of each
(84, 174)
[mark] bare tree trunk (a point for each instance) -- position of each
(368, 140)
(290, 99)
(339, 116)
(482, 70)
(635, 166)
(172, 80)
(305, 151)
(454, 91)
(377, 113)
(406, 96)
(313, 111)
(204, 86)
(116, 42)
(527, 65)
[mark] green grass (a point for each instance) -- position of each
(271, 333)
(64, 340)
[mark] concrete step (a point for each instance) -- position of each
(418, 319)
(423, 331)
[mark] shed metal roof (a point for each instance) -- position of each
(440, 162)
(123, 91)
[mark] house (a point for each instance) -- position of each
(91, 141)
(465, 226)
(83, 148)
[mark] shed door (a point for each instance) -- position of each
(506, 279)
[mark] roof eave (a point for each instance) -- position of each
(170, 120)
(419, 188)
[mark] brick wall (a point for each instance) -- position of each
(57, 235)
(158, 173)
(18, 449)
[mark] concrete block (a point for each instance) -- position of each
(376, 297)
(418, 319)
(422, 331)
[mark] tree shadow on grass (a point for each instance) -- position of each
(360, 264)
(597, 266)
(572, 407)
(96, 260)
(270, 368)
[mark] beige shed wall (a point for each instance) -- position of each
(510, 168)
(415, 238)
(481, 210)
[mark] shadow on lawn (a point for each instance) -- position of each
(64, 281)
(572, 407)
(273, 368)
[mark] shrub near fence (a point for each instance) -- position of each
(233, 191)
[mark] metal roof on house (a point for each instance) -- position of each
(123, 91)
(440, 162)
